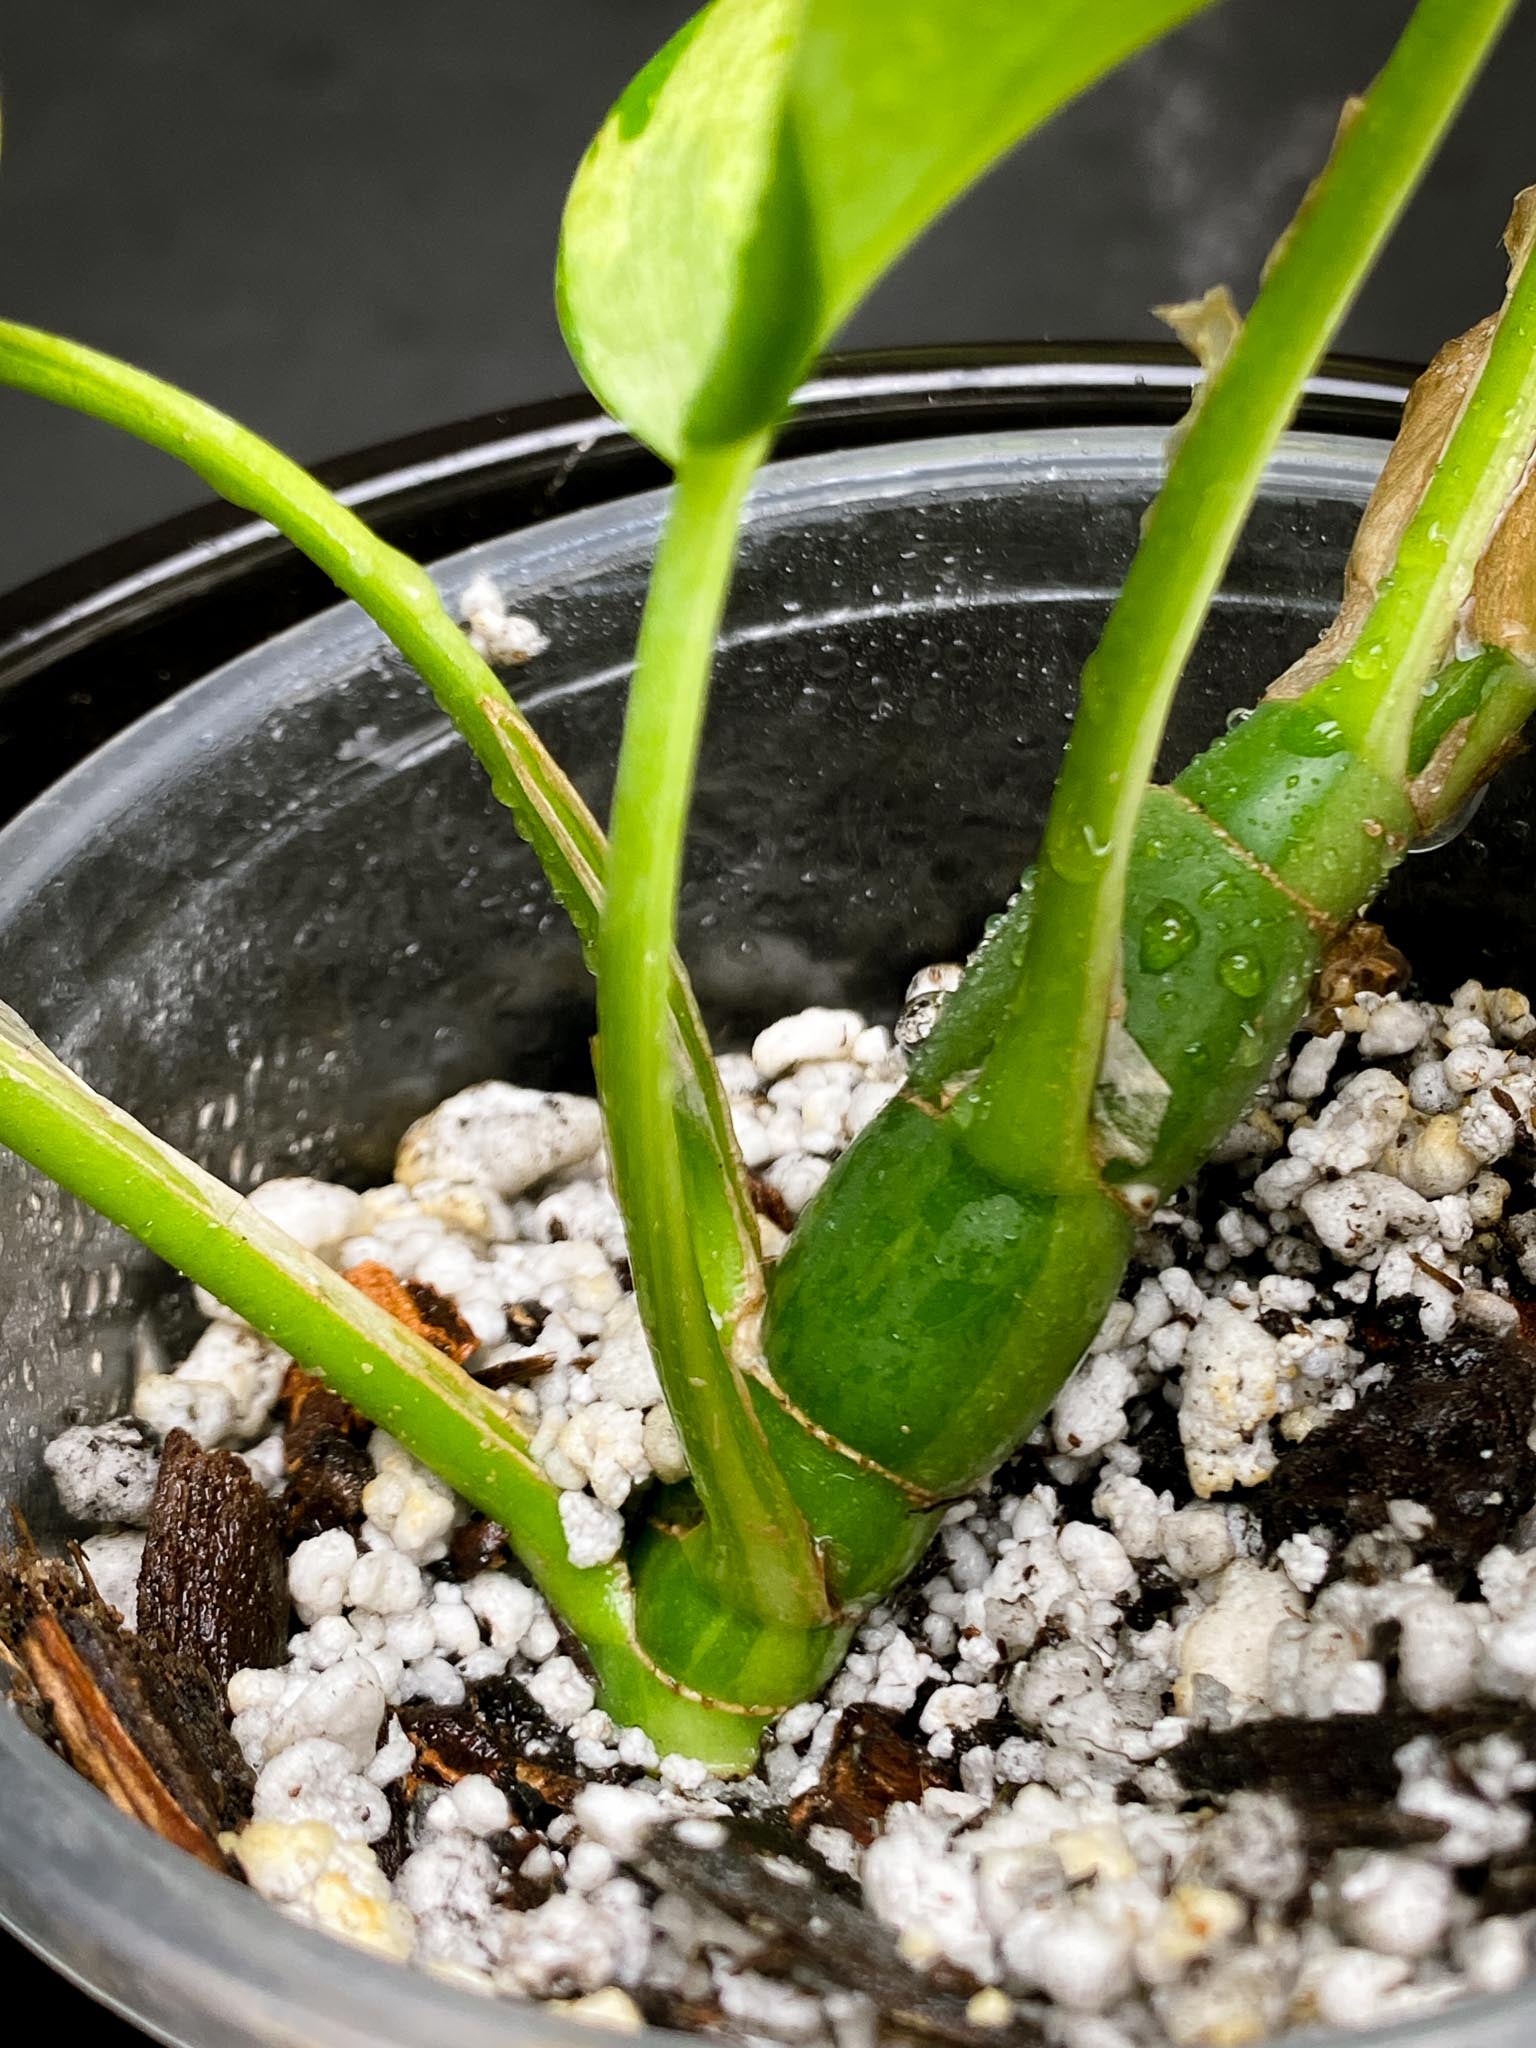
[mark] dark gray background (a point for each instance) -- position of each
(337, 217)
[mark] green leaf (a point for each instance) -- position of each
(773, 161)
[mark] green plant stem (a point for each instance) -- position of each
(88, 1145)
(390, 587)
(1506, 707)
(398, 594)
(1374, 694)
(759, 1540)
(1041, 1076)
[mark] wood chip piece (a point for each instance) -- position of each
(1361, 960)
(499, 1732)
(768, 1202)
(1449, 1429)
(143, 1725)
(325, 1451)
(814, 1929)
(478, 1545)
(213, 1583)
(871, 1766)
(432, 1316)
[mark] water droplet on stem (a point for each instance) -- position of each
(1168, 935)
(1241, 971)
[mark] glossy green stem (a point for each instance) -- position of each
(763, 1554)
(1505, 704)
(975, 1296)
(1042, 1071)
(399, 595)
(52, 1118)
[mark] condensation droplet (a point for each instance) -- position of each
(1241, 971)
(1453, 826)
(1168, 935)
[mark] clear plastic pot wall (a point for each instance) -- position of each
(280, 916)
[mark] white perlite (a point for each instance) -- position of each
(1231, 1390)
(507, 639)
(1066, 1632)
(104, 1473)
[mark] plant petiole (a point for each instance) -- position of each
(762, 1548)
(1376, 692)
(1042, 1071)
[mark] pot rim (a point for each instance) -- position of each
(146, 749)
(908, 391)
(161, 596)
(236, 1988)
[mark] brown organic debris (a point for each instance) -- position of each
(143, 1725)
(1433, 408)
(478, 1545)
(1503, 611)
(1504, 594)
(871, 1766)
(393, 1847)
(1340, 1774)
(703, 2014)
(516, 1889)
(1361, 960)
(1511, 1886)
(325, 1455)
(456, 1742)
(516, 1372)
(213, 1582)
(428, 1314)
(525, 1320)
(308, 1406)
(1208, 327)
(499, 1732)
(813, 1928)
(538, 1786)
(1450, 1430)
(769, 1203)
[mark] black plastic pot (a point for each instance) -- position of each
(278, 915)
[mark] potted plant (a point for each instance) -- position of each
(983, 1220)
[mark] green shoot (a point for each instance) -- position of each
(1503, 709)
(1049, 1053)
(1375, 693)
(88, 1145)
(761, 1547)
(399, 595)
(737, 203)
